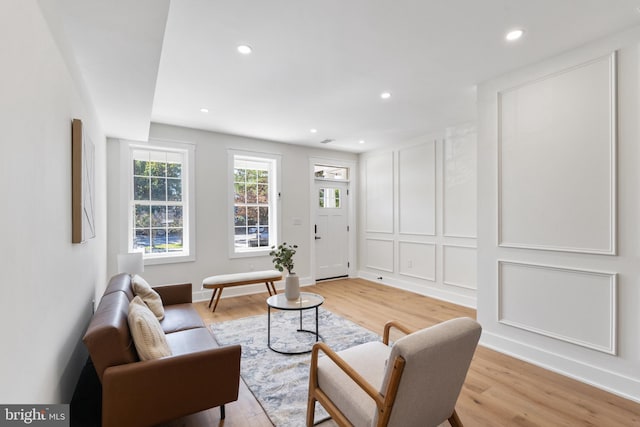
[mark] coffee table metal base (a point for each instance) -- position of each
(318, 337)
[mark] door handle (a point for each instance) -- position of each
(318, 237)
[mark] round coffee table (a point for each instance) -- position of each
(307, 301)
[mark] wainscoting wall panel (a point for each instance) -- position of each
(410, 253)
(459, 182)
(417, 259)
(417, 189)
(379, 182)
(459, 266)
(537, 298)
(543, 191)
(379, 253)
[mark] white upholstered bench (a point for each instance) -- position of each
(221, 281)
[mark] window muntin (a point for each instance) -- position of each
(329, 198)
(158, 208)
(254, 207)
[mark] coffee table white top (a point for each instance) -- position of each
(306, 300)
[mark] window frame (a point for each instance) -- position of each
(188, 195)
(274, 201)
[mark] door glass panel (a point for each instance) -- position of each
(329, 198)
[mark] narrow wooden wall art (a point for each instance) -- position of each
(82, 185)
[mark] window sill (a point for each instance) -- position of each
(169, 259)
(250, 254)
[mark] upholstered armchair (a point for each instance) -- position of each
(414, 382)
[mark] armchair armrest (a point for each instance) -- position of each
(383, 399)
(154, 391)
(393, 324)
(174, 294)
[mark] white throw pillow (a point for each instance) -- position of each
(142, 289)
(146, 331)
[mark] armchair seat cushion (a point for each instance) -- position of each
(369, 360)
(180, 317)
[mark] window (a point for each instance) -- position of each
(335, 173)
(329, 198)
(159, 219)
(254, 228)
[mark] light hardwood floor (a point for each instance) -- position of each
(499, 390)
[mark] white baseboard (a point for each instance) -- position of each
(612, 382)
(420, 289)
(234, 291)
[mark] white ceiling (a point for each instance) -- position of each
(315, 64)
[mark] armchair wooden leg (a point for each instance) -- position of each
(311, 409)
(454, 420)
(222, 414)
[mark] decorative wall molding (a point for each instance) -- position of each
(417, 190)
(459, 266)
(542, 194)
(540, 299)
(375, 262)
(463, 169)
(379, 177)
(407, 271)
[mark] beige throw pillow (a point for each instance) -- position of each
(146, 331)
(142, 289)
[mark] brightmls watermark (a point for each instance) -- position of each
(35, 415)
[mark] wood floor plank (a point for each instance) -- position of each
(499, 390)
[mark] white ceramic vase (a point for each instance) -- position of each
(292, 286)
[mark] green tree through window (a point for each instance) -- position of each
(253, 179)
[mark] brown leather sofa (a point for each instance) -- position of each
(198, 375)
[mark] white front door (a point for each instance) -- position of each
(331, 229)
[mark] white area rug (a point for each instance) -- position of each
(281, 382)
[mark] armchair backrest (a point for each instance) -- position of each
(436, 363)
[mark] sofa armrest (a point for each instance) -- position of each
(174, 294)
(154, 391)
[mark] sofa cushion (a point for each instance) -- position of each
(179, 317)
(142, 289)
(146, 331)
(191, 341)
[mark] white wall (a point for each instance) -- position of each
(47, 283)
(212, 255)
(417, 222)
(565, 296)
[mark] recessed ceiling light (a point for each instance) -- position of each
(514, 35)
(313, 130)
(204, 110)
(244, 49)
(361, 141)
(385, 95)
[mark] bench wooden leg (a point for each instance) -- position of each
(213, 295)
(272, 288)
(217, 299)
